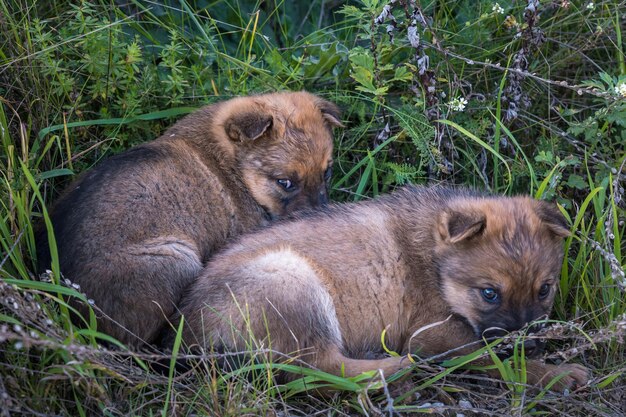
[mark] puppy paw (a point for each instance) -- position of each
(577, 376)
(570, 375)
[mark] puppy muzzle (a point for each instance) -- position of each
(532, 345)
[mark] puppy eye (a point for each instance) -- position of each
(328, 173)
(286, 184)
(544, 291)
(490, 295)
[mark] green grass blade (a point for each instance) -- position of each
(161, 114)
(483, 144)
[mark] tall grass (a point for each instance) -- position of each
(527, 101)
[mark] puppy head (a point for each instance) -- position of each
(499, 261)
(283, 145)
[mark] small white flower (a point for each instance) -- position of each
(497, 9)
(457, 104)
(590, 6)
(620, 89)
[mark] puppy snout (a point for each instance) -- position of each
(533, 347)
(530, 346)
(535, 328)
(322, 198)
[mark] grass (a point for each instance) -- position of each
(544, 116)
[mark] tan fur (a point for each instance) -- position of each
(135, 230)
(327, 285)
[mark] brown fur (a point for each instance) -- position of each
(134, 231)
(329, 284)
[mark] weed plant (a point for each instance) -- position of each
(516, 97)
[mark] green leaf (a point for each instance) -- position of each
(609, 81)
(364, 77)
(404, 173)
(402, 74)
(609, 380)
(545, 156)
(416, 126)
(576, 181)
(53, 174)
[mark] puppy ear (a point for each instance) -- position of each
(248, 126)
(330, 113)
(552, 218)
(456, 226)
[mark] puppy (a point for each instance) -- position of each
(327, 285)
(134, 231)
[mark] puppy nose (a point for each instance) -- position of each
(530, 347)
(322, 198)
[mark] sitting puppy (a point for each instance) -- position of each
(134, 231)
(327, 285)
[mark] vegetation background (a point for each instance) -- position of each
(516, 97)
